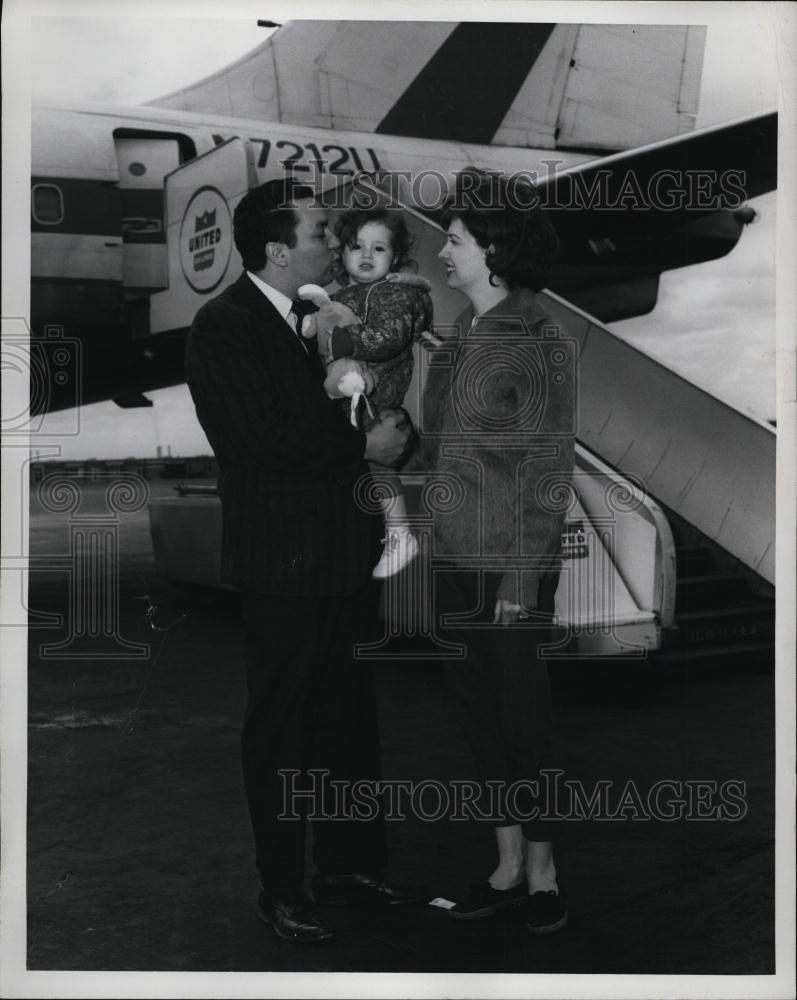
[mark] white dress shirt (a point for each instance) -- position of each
(280, 301)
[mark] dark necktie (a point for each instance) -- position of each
(301, 308)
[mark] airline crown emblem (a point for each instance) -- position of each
(205, 221)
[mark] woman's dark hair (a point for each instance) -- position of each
(350, 223)
(266, 215)
(505, 213)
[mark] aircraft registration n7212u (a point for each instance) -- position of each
(132, 207)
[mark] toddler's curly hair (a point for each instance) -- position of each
(349, 224)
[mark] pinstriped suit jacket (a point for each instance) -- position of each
(288, 457)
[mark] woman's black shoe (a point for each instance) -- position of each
(546, 912)
(293, 917)
(483, 900)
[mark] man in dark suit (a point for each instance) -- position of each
(301, 550)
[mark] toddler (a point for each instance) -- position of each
(395, 310)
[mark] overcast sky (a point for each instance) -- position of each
(714, 322)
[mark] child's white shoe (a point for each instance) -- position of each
(401, 547)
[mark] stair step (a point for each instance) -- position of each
(745, 621)
(756, 609)
(691, 561)
(710, 591)
(713, 631)
(732, 651)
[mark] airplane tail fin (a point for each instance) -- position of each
(550, 86)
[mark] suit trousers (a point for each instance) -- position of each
(310, 720)
(502, 699)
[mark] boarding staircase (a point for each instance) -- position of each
(722, 612)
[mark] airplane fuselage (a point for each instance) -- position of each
(132, 223)
(100, 258)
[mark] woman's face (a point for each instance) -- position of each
(466, 267)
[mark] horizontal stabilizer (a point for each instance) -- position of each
(622, 220)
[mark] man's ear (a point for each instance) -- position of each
(276, 255)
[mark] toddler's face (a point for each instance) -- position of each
(370, 258)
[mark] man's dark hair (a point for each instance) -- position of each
(505, 212)
(266, 215)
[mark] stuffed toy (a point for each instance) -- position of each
(330, 314)
(346, 378)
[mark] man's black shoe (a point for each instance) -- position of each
(361, 889)
(293, 917)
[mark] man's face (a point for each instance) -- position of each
(311, 259)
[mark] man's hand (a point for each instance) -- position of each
(387, 440)
(508, 612)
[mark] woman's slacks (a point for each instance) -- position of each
(502, 697)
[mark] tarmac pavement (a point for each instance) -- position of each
(139, 846)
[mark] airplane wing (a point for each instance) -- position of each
(584, 87)
(624, 219)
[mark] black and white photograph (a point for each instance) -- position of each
(399, 412)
